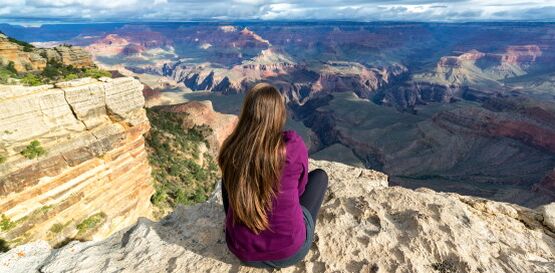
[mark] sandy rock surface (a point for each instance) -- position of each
(364, 226)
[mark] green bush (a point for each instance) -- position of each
(11, 67)
(71, 76)
(33, 150)
(31, 79)
(91, 222)
(56, 71)
(96, 73)
(2, 159)
(7, 72)
(173, 154)
(159, 197)
(6, 223)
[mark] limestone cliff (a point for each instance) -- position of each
(364, 226)
(31, 59)
(92, 177)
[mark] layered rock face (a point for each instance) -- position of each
(202, 113)
(94, 177)
(459, 147)
(297, 81)
(363, 226)
(35, 59)
(23, 61)
(68, 55)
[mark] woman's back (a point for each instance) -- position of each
(287, 230)
(271, 201)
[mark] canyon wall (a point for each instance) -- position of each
(72, 160)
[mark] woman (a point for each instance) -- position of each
(270, 199)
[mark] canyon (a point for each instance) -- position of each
(84, 166)
(438, 105)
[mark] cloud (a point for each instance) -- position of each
(359, 10)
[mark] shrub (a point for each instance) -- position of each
(7, 72)
(11, 67)
(6, 223)
(33, 150)
(71, 77)
(91, 222)
(31, 79)
(96, 73)
(4, 246)
(159, 197)
(55, 71)
(57, 228)
(28, 48)
(173, 154)
(4, 77)
(2, 159)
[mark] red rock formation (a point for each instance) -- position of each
(202, 113)
(110, 45)
(523, 125)
(525, 54)
(150, 94)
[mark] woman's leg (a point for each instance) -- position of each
(313, 194)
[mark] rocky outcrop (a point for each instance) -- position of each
(201, 113)
(268, 64)
(30, 59)
(483, 68)
(364, 226)
(23, 60)
(94, 177)
(68, 55)
(110, 45)
(298, 81)
(354, 77)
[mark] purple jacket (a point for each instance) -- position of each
(287, 227)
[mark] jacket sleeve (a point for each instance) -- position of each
(303, 161)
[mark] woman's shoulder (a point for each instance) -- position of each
(290, 136)
(293, 140)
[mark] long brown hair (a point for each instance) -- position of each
(251, 157)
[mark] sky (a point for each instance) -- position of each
(355, 10)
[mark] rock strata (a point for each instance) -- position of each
(94, 170)
(364, 226)
(30, 59)
(201, 113)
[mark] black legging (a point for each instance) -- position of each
(313, 194)
(312, 197)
